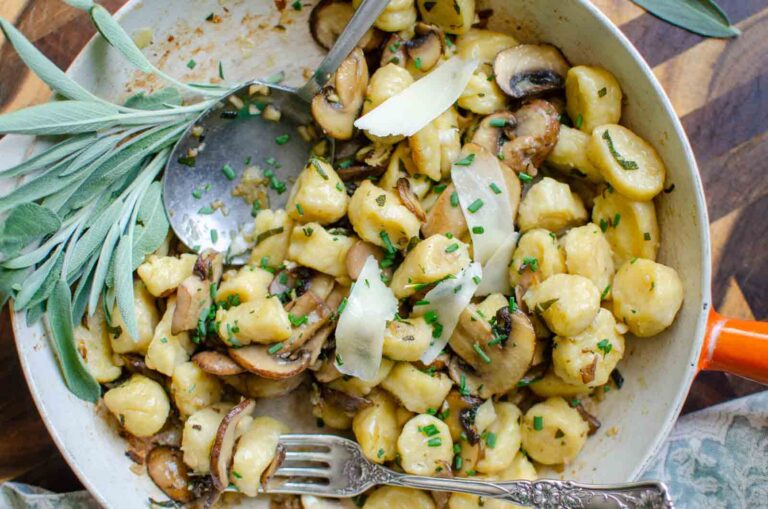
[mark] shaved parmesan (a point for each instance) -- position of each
(360, 331)
(484, 200)
(410, 110)
(447, 300)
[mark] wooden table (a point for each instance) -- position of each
(719, 89)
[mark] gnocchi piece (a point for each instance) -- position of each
(376, 214)
(193, 389)
(425, 151)
(162, 274)
(520, 468)
(248, 284)
(140, 405)
(254, 452)
(376, 428)
(551, 205)
(332, 416)
(357, 387)
(506, 430)
(588, 253)
(552, 385)
(629, 226)
(482, 96)
(567, 303)
(401, 165)
(431, 260)
(553, 432)
(417, 391)
(592, 95)
(146, 316)
(398, 15)
(646, 296)
(447, 125)
(589, 357)
(570, 155)
(425, 445)
(198, 436)
(168, 350)
(537, 250)
(93, 345)
(317, 248)
(318, 195)
(386, 82)
(483, 45)
(392, 497)
(259, 321)
(627, 162)
(274, 228)
(453, 16)
(407, 340)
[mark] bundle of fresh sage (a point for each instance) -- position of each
(89, 208)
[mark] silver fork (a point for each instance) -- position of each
(332, 466)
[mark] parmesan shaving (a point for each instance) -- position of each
(410, 110)
(496, 269)
(447, 300)
(360, 331)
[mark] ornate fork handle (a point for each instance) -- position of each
(548, 493)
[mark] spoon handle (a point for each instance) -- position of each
(363, 19)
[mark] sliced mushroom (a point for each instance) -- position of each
(360, 172)
(533, 138)
(494, 130)
(328, 20)
(166, 468)
(315, 345)
(326, 372)
(394, 51)
(224, 444)
(258, 360)
(193, 295)
(591, 420)
(445, 217)
(503, 362)
(217, 363)
(441, 498)
(358, 254)
(426, 48)
(135, 364)
(588, 371)
(290, 279)
(254, 386)
(336, 107)
(529, 69)
(460, 416)
(277, 460)
(347, 402)
(409, 199)
(314, 313)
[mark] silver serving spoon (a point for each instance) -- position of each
(208, 162)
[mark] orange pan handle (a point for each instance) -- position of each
(736, 346)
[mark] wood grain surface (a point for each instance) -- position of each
(719, 88)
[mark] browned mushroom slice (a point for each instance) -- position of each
(336, 107)
(329, 18)
(258, 360)
(591, 420)
(209, 266)
(443, 471)
(457, 415)
(193, 295)
(224, 444)
(254, 386)
(308, 314)
(529, 69)
(166, 468)
(135, 364)
(315, 345)
(426, 48)
(326, 371)
(535, 135)
(358, 254)
(360, 172)
(499, 355)
(464, 376)
(445, 216)
(321, 285)
(217, 363)
(409, 199)
(588, 371)
(490, 134)
(394, 51)
(346, 402)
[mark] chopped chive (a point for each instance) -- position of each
(430, 316)
(531, 263)
(430, 430)
(300, 209)
(255, 208)
(603, 225)
(524, 178)
(228, 172)
(602, 92)
(478, 230)
(308, 231)
(481, 353)
(319, 169)
(624, 163)
(272, 350)
(498, 122)
(296, 5)
(341, 307)
(339, 360)
(380, 453)
(387, 243)
(451, 248)
(454, 199)
(205, 210)
(512, 304)
(191, 64)
(439, 188)
(339, 187)
(435, 442)
(538, 423)
(605, 292)
(605, 346)
(417, 63)
(346, 163)
(490, 440)
(221, 70)
(579, 121)
(475, 206)
(466, 161)
(197, 194)
(282, 139)
(214, 235)
(421, 303)
(476, 279)
(496, 189)
(616, 220)
(297, 321)
(647, 236)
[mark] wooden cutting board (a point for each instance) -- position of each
(719, 89)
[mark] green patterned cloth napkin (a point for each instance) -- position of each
(716, 458)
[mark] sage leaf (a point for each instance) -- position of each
(80, 4)
(93, 238)
(9, 281)
(26, 222)
(40, 186)
(703, 17)
(152, 225)
(54, 154)
(80, 297)
(34, 313)
(124, 284)
(97, 148)
(36, 281)
(60, 117)
(102, 266)
(163, 98)
(44, 68)
(61, 327)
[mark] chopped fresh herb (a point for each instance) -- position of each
(272, 350)
(579, 121)
(633, 260)
(647, 236)
(197, 194)
(282, 139)
(475, 206)
(476, 279)
(261, 237)
(380, 453)
(463, 390)
(430, 430)
(435, 442)
(308, 231)
(381, 200)
(451, 248)
(559, 433)
(191, 64)
(319, 168)
(496, 189)
(439, 188)
(339, 187)
(205, 210)
(221, 70)
(163, 340)
(236, 474)
(605, 346)
(616, 220)
(346, 163)
(417, 63)
(478, 230)
(394, 60)
(387, 243)
(624, 163)
(421, 303)
(454, 199)
(538, 422)
(449, 235)
(605, 292)
(479, 350)
(466, 161)
(524, 178)
(339, 360)
(602, 92)
(431, 411)
(498, 122)
(296, 5)
(575, 402)
(228, 172)
(669, 189)
(187, 161)
(490, 440)
(512, 304)
(603, 224)
(430, 316)
(300, 209)
(214, 235)
(297, 321)
(341, 306)
(530, 262)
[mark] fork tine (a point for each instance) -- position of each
(300, 487)
(306, 440)
(308, 456)
(302, 472)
